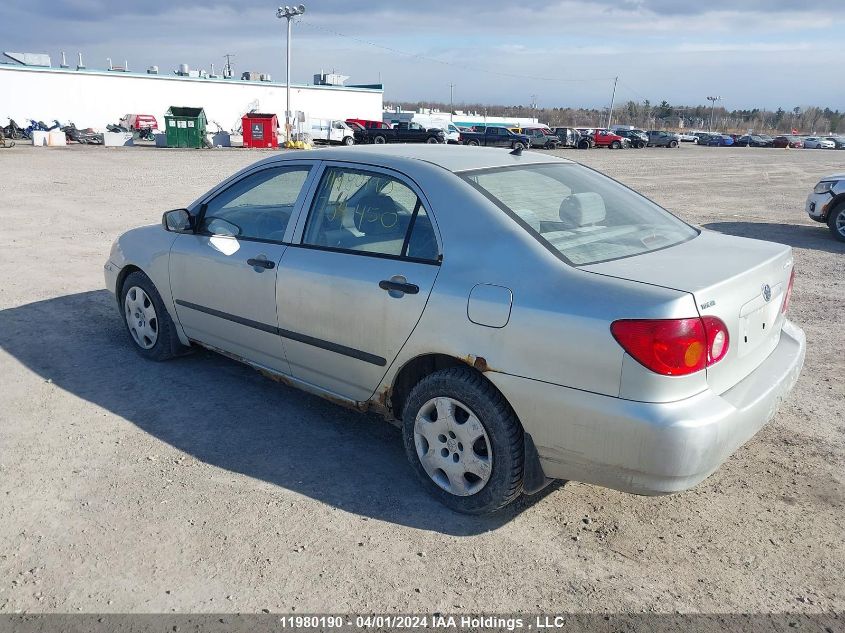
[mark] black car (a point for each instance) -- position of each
(753, 140)
(638, 138)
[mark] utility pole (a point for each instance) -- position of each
(451, 101)
(289, 13)
(712, 101)
(534, 106)
(612, 100)
(227, 70)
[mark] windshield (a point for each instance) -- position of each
(580, 214)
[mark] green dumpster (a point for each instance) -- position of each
(185, 126)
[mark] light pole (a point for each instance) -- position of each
(712, 101)
(289, 13)
(451, 101)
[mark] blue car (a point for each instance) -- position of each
(720, 140)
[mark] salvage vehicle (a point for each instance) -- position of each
(788, 141)
(522, 317)
(568, 136)
(332, 132)
(541, 137)
(493, 136)
(659, 138)
(720, 140)
(752, 140)
(400, 133)
(826, 204)
(611, 140)
(637, 138)
(818, 142)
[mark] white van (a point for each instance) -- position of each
(332, 131)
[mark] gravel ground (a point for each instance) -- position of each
(199, 485)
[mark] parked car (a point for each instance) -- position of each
(568, 136)
(703, 138)
(838, 141)
(659, 138)
(788, 140)
(332, 132)
(687, 137)
(720, 140)
(400, 133)
(826, 204)
(637, 138)
(606, 138)
(452, 133)
(494, 136)
(137, 122)
(404, 280)
(818, 142)
(753, 140)
(541, 137)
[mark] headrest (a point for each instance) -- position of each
(377, 214)
(582, 209)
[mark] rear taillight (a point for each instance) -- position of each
(788, 294)
(673, 347)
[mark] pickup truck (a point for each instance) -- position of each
(605, 138)
(400, 133)
(496, 137)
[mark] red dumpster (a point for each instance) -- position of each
(260, 130)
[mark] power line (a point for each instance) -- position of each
(450, 63)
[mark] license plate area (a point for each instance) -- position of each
(758, 326)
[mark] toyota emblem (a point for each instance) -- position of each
(767, 292)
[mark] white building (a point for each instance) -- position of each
(94, 98)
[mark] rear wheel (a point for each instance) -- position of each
(584, 144)
(150, 327)
(464, 441)
(473, 143)
(836, 222)
(379, 140)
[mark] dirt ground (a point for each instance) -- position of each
(199, 485)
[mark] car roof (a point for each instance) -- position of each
(454, 158)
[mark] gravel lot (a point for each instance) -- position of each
(199, 485)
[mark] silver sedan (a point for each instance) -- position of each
(522, 318)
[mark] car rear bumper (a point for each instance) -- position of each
(818, 205)
(650, 448)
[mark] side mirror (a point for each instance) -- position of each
(177, 221)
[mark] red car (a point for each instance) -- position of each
(367, 124)
(139, 121)
(787, 140)
(603, 138)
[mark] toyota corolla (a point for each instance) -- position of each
(522, 317)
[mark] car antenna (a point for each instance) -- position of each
(517, 151)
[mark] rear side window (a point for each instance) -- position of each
(370, 213)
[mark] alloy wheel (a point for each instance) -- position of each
(453, 446)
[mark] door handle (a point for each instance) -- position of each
(398, 286)
(261, 263)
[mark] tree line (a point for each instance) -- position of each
(648, 116)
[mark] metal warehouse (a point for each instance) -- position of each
(95, 98)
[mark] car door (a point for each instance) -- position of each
(223, 276)
(356, 278)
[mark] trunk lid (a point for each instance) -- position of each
(728, 277)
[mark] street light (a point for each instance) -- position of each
(289, 13)
(712, 101)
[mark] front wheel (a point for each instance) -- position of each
(583, 144)
(349, 141)
(432, 139)
(150, 327)
(518, 145)
(836, 222)
(673, 144)
(379, 140)
(464, 441)
(615, 145)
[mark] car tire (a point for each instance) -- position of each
(349, 141)
(583, 144)
(481, 476)
(472, 143)
(673, 144)
(148, 323)
(518, 145)
(432, 139)
(615, 145)
(379, 140)
(836, 222)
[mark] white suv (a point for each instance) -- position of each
(827, 204)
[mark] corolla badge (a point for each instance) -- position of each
(767, 292)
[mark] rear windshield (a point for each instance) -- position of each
(581, 215)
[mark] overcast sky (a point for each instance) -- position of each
(754, 53)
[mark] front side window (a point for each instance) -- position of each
(369, 212)
(257, 206)
(580, 214)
